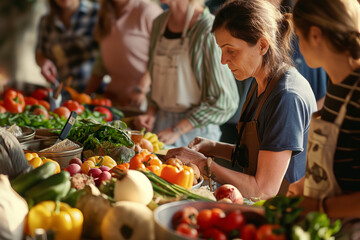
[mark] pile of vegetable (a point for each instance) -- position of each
(101, 138)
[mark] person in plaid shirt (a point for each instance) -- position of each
(66, 46)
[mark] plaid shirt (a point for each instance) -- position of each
(72, 49)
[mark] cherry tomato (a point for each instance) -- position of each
(107, 112)
(187, 215)
(204, 219)
(45, 104)
(187, 230)
(102, 102)
(40, 94)
(214, 234)
(216, 214)
(73, 106)
(266, 232)
(248, 232)
(62, 112)
(233, 220)
(31, 101)
(41, 111)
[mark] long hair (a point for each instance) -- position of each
(106, 16)
(339, 21)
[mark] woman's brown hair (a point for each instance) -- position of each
(106, 16)
(339, 21)
(250, 20)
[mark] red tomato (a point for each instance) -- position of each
(45, 104)
(40, 94)
(62, 111)
(107, 112)
(101, 102)
(40, 111)
(2, 109)
(265, 232)
(214, 234)
(216, 214)
(31, 101)
(187, 230)
(233, 220)
(14, 101)
(187, 215)
(204, 219)
(73, 106)
(248, 232)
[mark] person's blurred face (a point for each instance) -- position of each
(67, 4)
(307, 49)
(243, 60)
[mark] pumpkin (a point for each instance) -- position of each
(128, 221)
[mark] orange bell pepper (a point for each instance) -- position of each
(146, 161)
(183, 176)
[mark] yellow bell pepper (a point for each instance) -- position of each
(36, 161)
(65, 221)
(180, 175)
(102, 160)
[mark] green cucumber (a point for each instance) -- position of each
(53, 188)
(25, 181)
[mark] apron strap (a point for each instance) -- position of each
(341, 116)
(189, 15)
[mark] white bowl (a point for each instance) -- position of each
(198, 185)
(164, 214)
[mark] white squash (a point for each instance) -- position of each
(135, 187)
(13, 210)
(128, 221)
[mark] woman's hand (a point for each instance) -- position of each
(203, 145)
(296, 188)
(146, 121)
(168, 136)
(187, 155)
(48, 70)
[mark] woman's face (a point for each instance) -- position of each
(307, 50)
(243, 60)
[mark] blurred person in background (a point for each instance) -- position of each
(255, 39)
(329, 37)
(66, 46)
(191, 92)
(123, 32)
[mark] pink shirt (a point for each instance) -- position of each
(125, 52)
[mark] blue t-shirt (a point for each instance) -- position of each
(284, 120)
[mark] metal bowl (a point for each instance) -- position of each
(164, 214)
(27, 134)
(62, 158)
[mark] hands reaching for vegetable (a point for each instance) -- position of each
(203, 145)
(145, 121)
(187, 155)
(48, 70)
(168, 137)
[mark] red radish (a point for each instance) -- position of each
(104, 176)
(104, 168)
(76, 161)
(94, 172)
(73, 169)
(230, 192)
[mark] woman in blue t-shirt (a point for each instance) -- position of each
(254, 38)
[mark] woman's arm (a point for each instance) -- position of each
(265, 184)
(342, 206)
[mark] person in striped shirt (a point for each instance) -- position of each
(191, 92)
(329, 37)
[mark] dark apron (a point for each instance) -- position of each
(248, 144)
